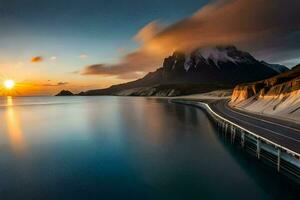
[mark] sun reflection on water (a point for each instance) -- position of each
(14, 128)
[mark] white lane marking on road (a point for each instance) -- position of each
(266, 129)
(259, 127)
(232, 110)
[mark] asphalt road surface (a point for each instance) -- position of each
(282, 132)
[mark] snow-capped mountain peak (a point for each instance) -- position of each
(216, 55)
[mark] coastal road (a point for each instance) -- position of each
(282, 132)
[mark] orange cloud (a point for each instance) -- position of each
(133, 62)
(36, 59)
(148, 32)
(264, 28)
(54, 85)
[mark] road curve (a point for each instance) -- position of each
(286, 134)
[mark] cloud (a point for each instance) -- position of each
(268, 29)
(53, 58)
(133, 62)
(62, 83)
(54, 85)
(83, 56)
(36, 59)
(96, 69)
(148, 32)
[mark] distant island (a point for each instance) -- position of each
(64, 93)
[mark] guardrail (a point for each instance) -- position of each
(254, 134)
(294, 161)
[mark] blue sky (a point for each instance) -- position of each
(69, 28)
(73, 37)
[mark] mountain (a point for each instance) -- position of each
(276, 67)
(277, 96)
(214, 67)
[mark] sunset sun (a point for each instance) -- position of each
(9, 84)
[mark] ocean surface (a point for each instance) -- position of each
(123, 148)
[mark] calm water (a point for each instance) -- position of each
(124, 148)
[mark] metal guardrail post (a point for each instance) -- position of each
(278, 159)
(233, 131)
(242, 138)
(258, 144)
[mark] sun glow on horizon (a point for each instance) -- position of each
(9, 84)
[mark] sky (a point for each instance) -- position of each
(49, 45)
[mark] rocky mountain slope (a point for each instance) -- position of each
(278, 96)
(181, 74)
(276, 67)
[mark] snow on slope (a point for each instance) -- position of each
(218, 54)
